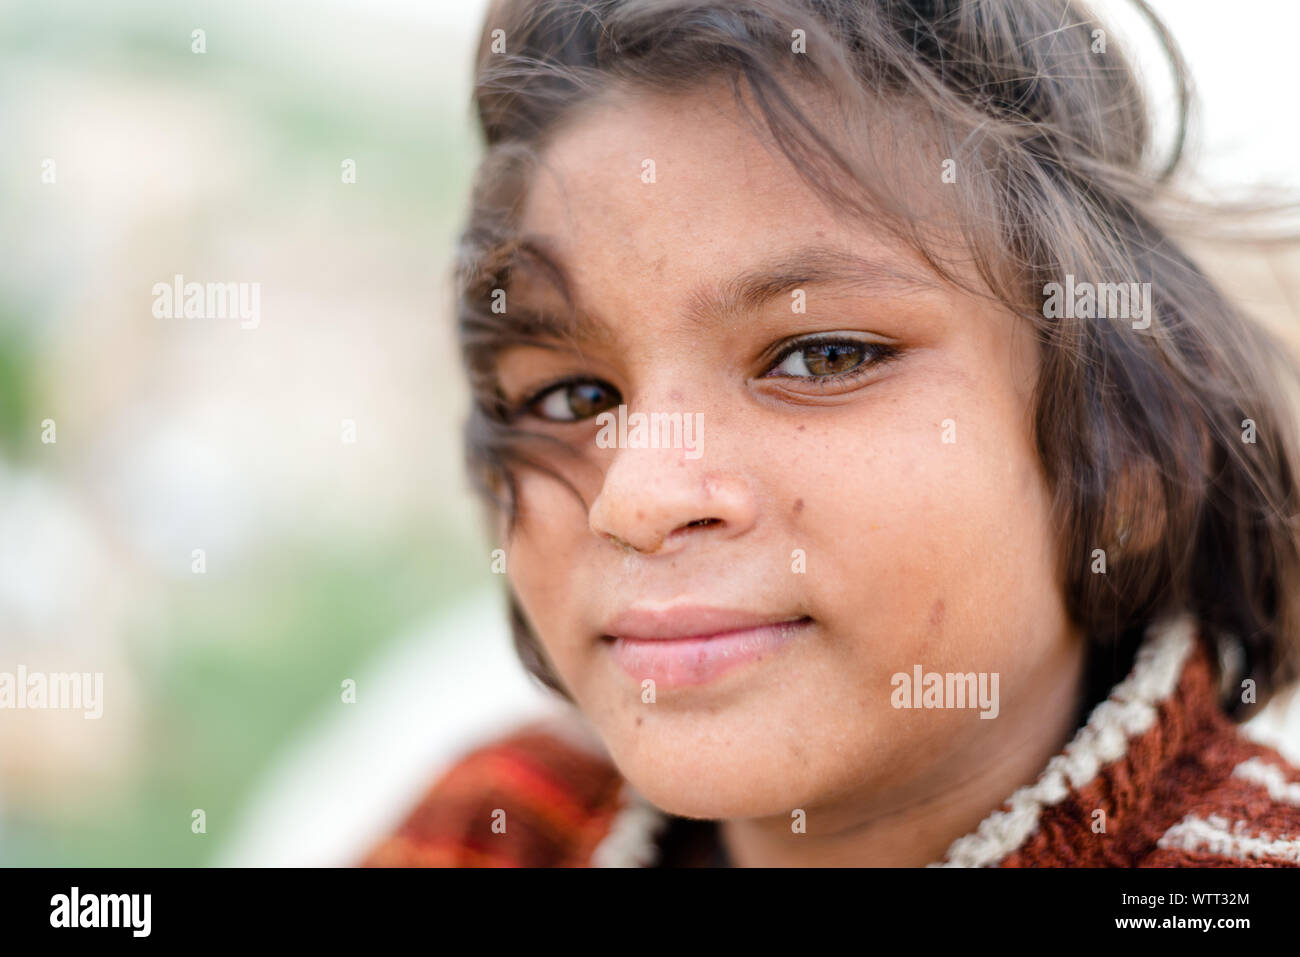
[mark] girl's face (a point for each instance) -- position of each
(857, 493)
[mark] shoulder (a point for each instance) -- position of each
(1158, 776)
(543, 795)
(1246, 815)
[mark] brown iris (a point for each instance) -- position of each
(590, 398)
(832, 358)
(575, 400)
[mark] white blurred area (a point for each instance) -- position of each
(1240, 57)
(229, 437)
(448, 685)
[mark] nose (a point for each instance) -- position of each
(654, 500)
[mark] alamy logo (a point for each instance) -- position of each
(53, 690)
(212, 300)
(657, 430)
(1102, 300)
(102, 910)
(930, 689)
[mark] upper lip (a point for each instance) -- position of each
(653, 621)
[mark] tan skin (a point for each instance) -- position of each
(918, 551)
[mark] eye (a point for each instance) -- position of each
(830, 358)
(572, 401)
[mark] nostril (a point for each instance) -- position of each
(628, 546)
(703, 522)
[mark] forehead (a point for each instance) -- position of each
(657, 190)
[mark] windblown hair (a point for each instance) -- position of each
(1140, 431)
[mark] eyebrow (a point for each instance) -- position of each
(818, 265)
(747, 292)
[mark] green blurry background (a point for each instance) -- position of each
(177, 434)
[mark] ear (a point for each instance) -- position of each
(1136, 514)
(1140, 514)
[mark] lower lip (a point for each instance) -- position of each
(679, 662)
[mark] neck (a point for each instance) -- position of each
(914, 825)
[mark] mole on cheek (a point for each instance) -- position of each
(798, 505)
(797, 754)
(931, 637)
(936, 614)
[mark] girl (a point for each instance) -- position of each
(879, 479)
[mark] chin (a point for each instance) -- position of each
(711, 779)
(714, 797)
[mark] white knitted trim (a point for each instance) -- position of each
(1211, 835)
(1130, 710)
(1270, 776)
(631, 838)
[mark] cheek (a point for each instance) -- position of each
(556, 565)
(926, 525)
(540, 556)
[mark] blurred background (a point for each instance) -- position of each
(314, 460)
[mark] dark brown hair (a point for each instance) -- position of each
(1140, 431)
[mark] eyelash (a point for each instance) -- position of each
(874, 354)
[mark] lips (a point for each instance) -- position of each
(681, 645)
